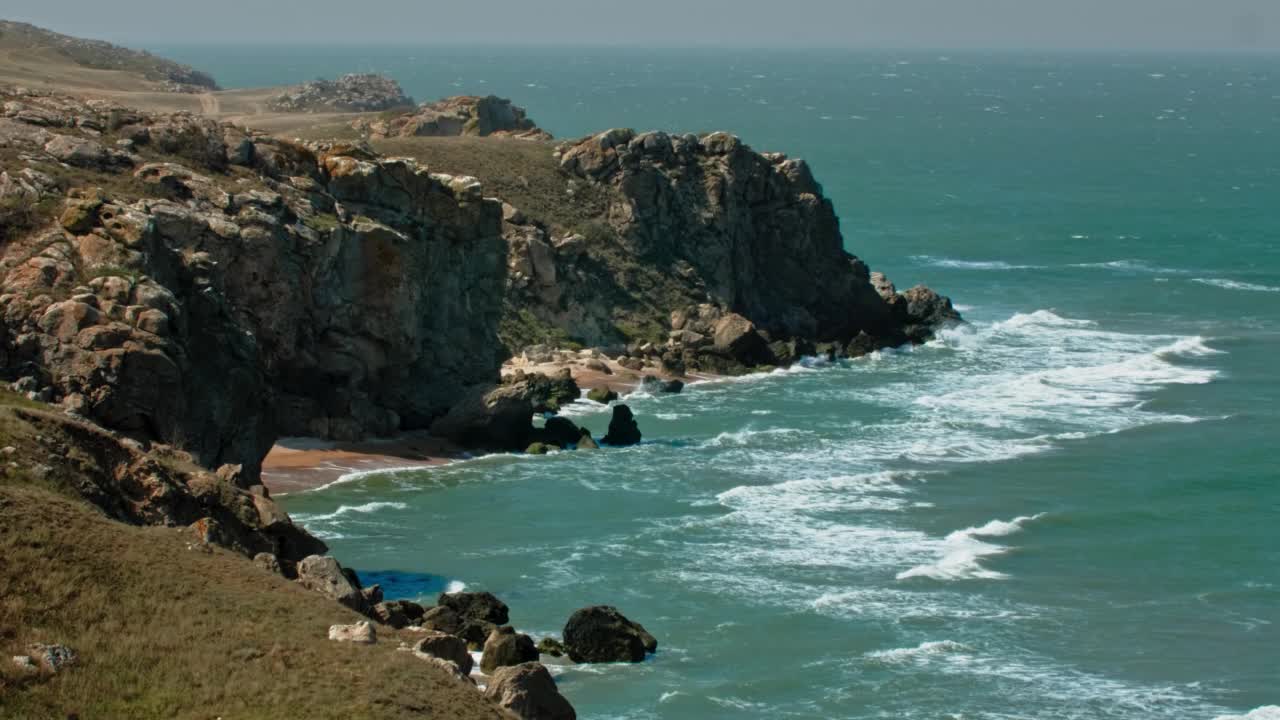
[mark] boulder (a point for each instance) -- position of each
(658, 385)
(602, 395)
(442, 619)
(736, 337)
(476, 606)
(601, 634)
(362, 632)
(268, 562)
(586, 442)
(446, 647)
(495, 418)
(550, 646)
(476, 633)
(324, 575)
(561, 432)
(623, 430)
(506, 647)
(397, 613)
(537, 448)
(529, 692)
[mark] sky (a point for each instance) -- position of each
(933, 24)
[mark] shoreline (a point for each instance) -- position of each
(303, 464)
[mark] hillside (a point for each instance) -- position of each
(165, 628)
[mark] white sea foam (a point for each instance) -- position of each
(1130, 266)
(365, 509)
(972, 264)
(898, 656)
(746, 437)
(962, 550)
(1269, 712)
(455, 586)
(1235, 285)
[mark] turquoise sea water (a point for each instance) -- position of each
(1069, 508)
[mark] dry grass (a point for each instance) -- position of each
(165, 631)
(521, 172)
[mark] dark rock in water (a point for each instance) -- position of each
(446, 647)
(623, 429)
(926, 311)
(790, 352)
(560, 432)
(658, 385)
(551, 646)
(861, 345)
(476, 606)
(529, 692)
(505, 647)
(352, 577)
(537, 449)
(585, 442)
(601, 634)
(602, 395)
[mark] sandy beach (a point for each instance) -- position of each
(300, 464)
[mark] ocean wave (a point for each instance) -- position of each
(365, 509)
(899, 656)
(1269, 712)
(1235, 285)
(883, 491)
(742, 438)
(1130, 266)
(962, 550)
(972, 264)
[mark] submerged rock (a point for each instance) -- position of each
(603, 395)
(601, 634)
(551, 646)
(528, 691)
(623, 430)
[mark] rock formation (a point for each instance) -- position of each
(446, 647)
(707, 255)
(349, 93)
(505, 647)
(529, 692)
(315, 290)
(602, 634)
(456, 116)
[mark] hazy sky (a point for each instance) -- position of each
(1093, 24)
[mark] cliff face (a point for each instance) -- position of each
(215, 290)
(706, 253)
(456, 116)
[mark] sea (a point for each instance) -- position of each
(1067, 508)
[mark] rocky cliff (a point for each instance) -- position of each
(708, 255)
(456, 116)
(187, 283)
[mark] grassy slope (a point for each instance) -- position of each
(164, 631)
